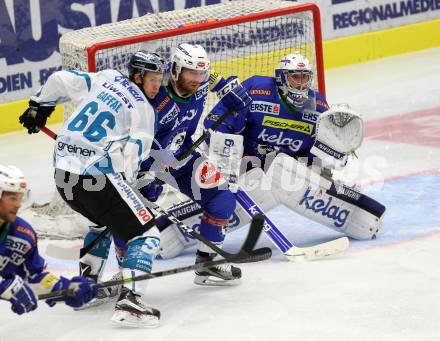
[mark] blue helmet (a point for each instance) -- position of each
(294, 77)
(143, 61)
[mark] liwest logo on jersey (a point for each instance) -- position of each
(265, 107)
(282, 123)
(333, 212)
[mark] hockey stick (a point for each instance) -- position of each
(290, 251)
(245, 255)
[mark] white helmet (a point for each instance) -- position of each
(192, 57)
(12, 180)
(294, 64)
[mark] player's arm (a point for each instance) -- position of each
(15, 290)
(234, 124)
(140, 124)
(61, 86)
(40, 281)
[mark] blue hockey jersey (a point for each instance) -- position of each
(177, 120)
(271, 125)
(18, 251)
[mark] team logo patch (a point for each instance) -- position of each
(261, 92)
(282, 123)
(177, 141)
(265, 107)
(162, 104)
(322, 104)
(310, 116)
(207, 175)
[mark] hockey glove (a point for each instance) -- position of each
(35, 116)
(21, 296)
(84, 290)
(152, 191)
(232, 94)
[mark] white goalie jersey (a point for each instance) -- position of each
(110, 131)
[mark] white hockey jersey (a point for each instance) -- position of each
(110, 131)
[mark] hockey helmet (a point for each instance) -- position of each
(193, 57)
(143, 61)
(294, 77)
(12, 180)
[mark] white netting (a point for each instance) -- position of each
(55, 220)
(248, 46)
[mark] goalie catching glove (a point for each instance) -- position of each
(35, 116)
(339, 132)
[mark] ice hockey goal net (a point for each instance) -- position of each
(243, 38)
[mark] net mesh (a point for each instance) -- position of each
(243, 48)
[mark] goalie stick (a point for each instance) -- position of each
(245, 255)
(290, 251)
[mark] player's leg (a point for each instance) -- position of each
(115, 205)
(218, 205)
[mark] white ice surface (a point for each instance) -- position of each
(385, 289)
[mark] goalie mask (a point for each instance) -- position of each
(12, 180)
(195, 59)
(294, 78)
(143, 61)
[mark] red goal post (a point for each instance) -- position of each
(243, 37)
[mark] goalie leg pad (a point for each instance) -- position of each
(336, 206)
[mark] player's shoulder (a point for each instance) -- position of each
(261, 86)
(321, 102)
(24, 230)
(202, 90)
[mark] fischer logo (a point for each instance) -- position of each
(74, 149)
(265, 107)
(333, 212)
(278, 139)
(282, 123)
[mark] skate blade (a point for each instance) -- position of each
(214, 281)
(125, 319)
(97, 302)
